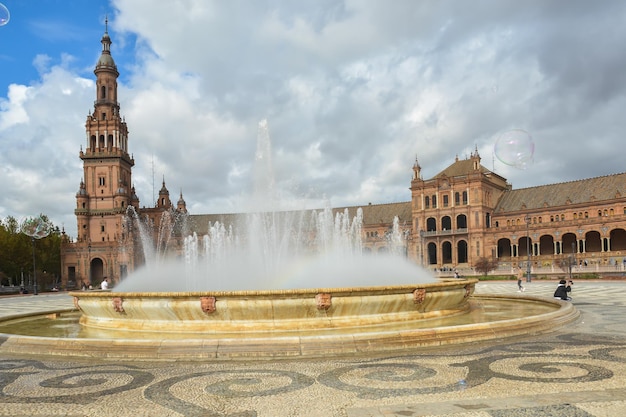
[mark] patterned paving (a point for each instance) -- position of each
(576, 371)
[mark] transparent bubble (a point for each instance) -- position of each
(36, 227)
(515, 148)
(4, 15)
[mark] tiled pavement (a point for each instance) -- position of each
(577, 371)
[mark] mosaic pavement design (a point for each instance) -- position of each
(576, 371)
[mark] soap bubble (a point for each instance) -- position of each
(515, 148)
(4, 15)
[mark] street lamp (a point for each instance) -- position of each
(36, 228)
(89, 264)
(572, 260)
(527, 218)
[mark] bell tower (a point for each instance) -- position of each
(106, 189)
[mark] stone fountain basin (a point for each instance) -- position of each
(503, 317)
(237, 312)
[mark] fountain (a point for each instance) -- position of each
(282, 283)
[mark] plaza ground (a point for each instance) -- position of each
(578, 370)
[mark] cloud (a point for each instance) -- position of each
(353, 92)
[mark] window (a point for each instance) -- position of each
(465, 198)
(457, 200)
(445, 201)
(434, 201)
(102, 228)
(427, 202)
(101, 181)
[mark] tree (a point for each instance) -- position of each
(16, 256)
(485, 265)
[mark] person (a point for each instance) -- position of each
(563, 289)
(105, 284)
(520, 277)
(456, 274)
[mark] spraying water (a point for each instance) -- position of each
(271, 249)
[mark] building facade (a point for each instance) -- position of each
(467, 212)
(464, 214)
(106, 245)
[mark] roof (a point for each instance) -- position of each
(459, 168)
(373, 214)
(381, 213)
(583, 191)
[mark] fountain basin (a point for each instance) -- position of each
(237, 312)
(490, 318)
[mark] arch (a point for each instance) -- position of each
(618, 239)
(593, 242)
(546, 245)
(431, 224)
(96, 271)
(446, 252)
(103, 92)
(461, 250)
(524, 246)
(101, 142)
(569, 242)
(504, 247)
(446, 223)
(461, 221)
(432, 254)
(92, 143)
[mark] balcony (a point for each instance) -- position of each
(106, 101)
(452, 232)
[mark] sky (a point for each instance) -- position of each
(353, 92)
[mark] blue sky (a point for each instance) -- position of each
(53, 29)
(353, 92)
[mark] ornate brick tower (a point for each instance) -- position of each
(106, 189)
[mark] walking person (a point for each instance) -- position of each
(520, 277)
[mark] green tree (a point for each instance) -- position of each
(16, 256)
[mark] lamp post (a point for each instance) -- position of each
(36, 228)
(572, 260)
(89, 265)
(527, 218)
